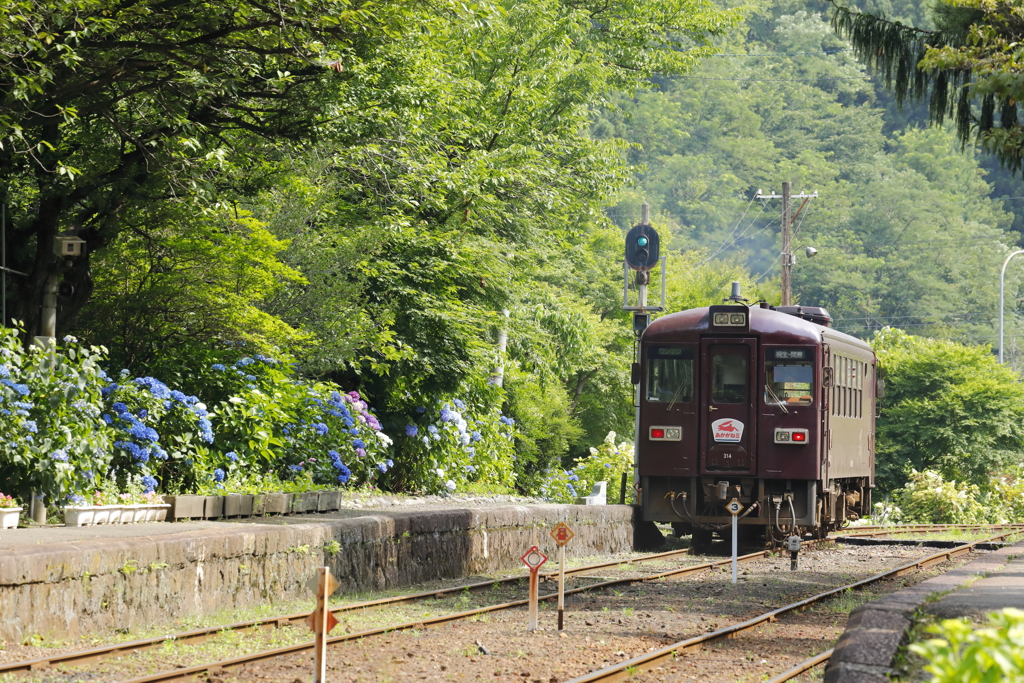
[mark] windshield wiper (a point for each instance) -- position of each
(778, 401)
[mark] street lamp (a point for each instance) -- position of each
(1002, 278)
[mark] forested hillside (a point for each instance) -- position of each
(425, 203)
(907, 227)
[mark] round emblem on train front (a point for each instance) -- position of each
(727, 431)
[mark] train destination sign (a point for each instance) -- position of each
(789, 354)
(727, 430)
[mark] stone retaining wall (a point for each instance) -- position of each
(69, 589)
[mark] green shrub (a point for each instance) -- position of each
(964, 654)
(454, 442)
(929, 499)
(607, 462)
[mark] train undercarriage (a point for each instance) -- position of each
(773, 509)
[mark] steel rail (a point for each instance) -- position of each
(624, 670)
(802, 667)
(867, 532)
(198, 635)
(190, 672)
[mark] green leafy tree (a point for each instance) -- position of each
(107, 106)
(948, 407)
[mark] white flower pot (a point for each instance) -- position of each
(9, 518)
(139, 515)
(162, 510)
(75, 515)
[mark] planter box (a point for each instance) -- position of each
(213, 508)
(329, 501)
(277, 503)
(237, 505)
(259, 504)
(9, 518)
(185, 507)
(91, 515)
(305, 502)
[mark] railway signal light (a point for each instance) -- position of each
(642, 247)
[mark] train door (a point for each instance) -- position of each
(728, 371)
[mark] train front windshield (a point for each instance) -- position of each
(789, 377)
(670, 374)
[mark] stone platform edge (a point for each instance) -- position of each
(68, 589)
(876, 631)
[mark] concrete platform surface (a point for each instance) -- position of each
(876, 631)
(1004, 588)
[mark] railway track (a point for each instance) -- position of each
(198, 635)
(629, 668)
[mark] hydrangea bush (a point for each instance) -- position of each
(274, 422)
(50, 405)
(607, 462)
(455, 441)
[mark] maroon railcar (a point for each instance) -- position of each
(768, 406)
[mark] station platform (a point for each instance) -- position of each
(876, 631)
(67, 581)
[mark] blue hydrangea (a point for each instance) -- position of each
(359, 443)
(320, 428)
(107, 419)
(24, 405)
(76, 499)
(382, 467)
(232, 456)
(108, 390)
(59, 455)
(344, 474)
(459, 404)
(420, 410)
(390, 462)
(119, 408)
(219, 367)
(469, 468)
(446, 415)
(244, 362)
(354, 431)
(426, 441)
(251, 378)
(159, 453)
(31, 426)
(476, 436)
(218, 474)
(348, 421)
(178, 396)
(608, 465)
(432, 429)
(149, 482)
(143, 412)
(4, 372)
(207, 430)
(574, 477)
(411, 430)
(155, 386)
(295, 468)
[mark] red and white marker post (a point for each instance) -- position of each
(533, 559)
(321, 620)
(562, 535)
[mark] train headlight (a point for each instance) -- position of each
(665, 433)
(789, 435)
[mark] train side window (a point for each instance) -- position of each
(728, 378)
(670, 374)
(788, 382)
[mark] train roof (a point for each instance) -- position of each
(772, 326)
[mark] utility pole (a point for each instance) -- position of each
(787, 257)
(787, 260)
